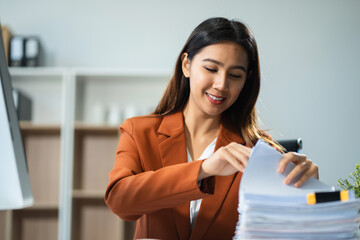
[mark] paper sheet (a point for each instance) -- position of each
(261, 175)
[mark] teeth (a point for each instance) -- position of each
(215, 98)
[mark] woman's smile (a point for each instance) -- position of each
(215, 99)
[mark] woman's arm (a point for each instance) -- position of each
(132, 192)
(234, 157)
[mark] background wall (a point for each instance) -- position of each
(309, 53)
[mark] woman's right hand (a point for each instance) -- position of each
(225, 161)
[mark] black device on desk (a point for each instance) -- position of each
(15, 187)
(291, 145)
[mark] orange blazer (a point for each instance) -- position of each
(153, 183)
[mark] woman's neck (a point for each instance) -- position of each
(199, 124)
(200, 131)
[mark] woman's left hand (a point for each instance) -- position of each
(304, 168)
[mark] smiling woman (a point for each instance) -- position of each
(192, 150)
(218, 73)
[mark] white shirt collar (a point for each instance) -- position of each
(209, 150)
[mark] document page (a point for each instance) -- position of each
(262, 178)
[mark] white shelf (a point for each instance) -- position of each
(116, 72)
(88, 72)
(63, 103)
(37, 71)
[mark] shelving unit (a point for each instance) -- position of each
(43, 143)
(70, 146)
(94, 156)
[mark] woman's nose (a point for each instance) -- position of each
(220, 82)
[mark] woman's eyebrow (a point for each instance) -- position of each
(221, 64)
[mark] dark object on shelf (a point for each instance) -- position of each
(23, 106)
(32, 52)
(17, 51)
(25, 52)
(291, 145)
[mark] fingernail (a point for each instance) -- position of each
(286, 181)
(296, 185)
(280, 169)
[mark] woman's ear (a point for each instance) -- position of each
(185, 65)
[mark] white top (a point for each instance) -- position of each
(195, 204)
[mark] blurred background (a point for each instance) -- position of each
(309, 53)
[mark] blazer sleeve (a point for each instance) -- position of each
(131, 192)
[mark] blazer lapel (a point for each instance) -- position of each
(172, 147)
(211, 205)
(172, 143)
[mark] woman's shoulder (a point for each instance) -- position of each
(142, 123)
(147, 118)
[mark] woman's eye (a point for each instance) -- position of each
(210, 69)
(235, 76)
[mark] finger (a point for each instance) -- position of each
(239, 147)
(233, 160)
(311, 172)
(239, 152)
(290, 157)
(245, 148)
(298, 169)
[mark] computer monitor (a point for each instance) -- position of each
(15, 187)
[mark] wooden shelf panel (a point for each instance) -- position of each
(80, 194)
(96, 128)
(94, 158)
(42, 207)
(3, 223)
(93, 220)
(28, 126)
(43, 158)
(35, 225)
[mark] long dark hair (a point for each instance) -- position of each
(241, 115)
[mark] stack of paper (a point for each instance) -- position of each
(270, 209)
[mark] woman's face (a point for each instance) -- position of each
(217, 75)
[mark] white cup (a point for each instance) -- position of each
(130, 111)
(98, 113)
(114, 115)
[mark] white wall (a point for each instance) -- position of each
(309, 54)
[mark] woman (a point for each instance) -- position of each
(177, 171)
